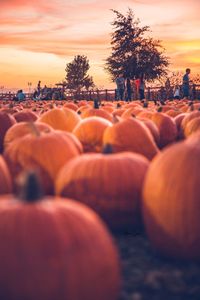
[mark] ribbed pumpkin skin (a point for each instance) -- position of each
(189, 116)
(46, 154)
(152, 127)
(20, 129)
(25, 116)
(6, 122)
(171, 201)
(90, 133)
(193, 126)
(131, 135)
(91, 112)
(167, 128)
(5, 178)
(72, 118)
(110, 184)
(55, 250)
(56, 118)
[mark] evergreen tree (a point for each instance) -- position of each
(132, 52)
(77, 78)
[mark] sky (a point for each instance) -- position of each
(38, 38)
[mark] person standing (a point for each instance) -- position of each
(39, 87)
(177, 92)
(128, 89)
(186, 84)
(141, 87)
(120, 82)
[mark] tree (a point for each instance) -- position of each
(76, 77)
(132, 52)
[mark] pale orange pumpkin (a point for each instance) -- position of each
(72, 119)
(90, 133)
(56, 118)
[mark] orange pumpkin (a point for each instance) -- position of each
(90, 133)
(70, 105)
(188, 117)
(178, 120)
(171, 200)
(5, 178)
(25, 116)
(167, 128)
(192, 126)
(45, 152)
(20, 129)
(91, 112)
(56, 118)
(152, 127)
(110, 184)
(131, 135)
(55, 250)
(6, 121)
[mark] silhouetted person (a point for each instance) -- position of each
(128, 89)
(120, 82)
(39, 87)
(141, 87)
(186, 84)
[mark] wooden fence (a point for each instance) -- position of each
(153, 93)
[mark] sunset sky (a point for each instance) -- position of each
(38, 38)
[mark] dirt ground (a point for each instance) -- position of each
(147, 276)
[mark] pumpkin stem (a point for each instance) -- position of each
(31, 189)
(118, 105)
(107, 149)
(159, 109)
(34, 129)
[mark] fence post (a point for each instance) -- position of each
(106, 94)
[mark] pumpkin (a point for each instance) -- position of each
(110, 184)
(71, 105)
(56, 118)
(53, 248)
(188, 117)
(25, 116)
(131, 111)
(152, 127)
(96, 111)
(90, 133)
(6, 121)
(171, 200)
(72, 118)
(20, 129)
(44, 152)
(131, 135)
(192, 126)
(167, 128)
(178, 120)
(5, 178)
